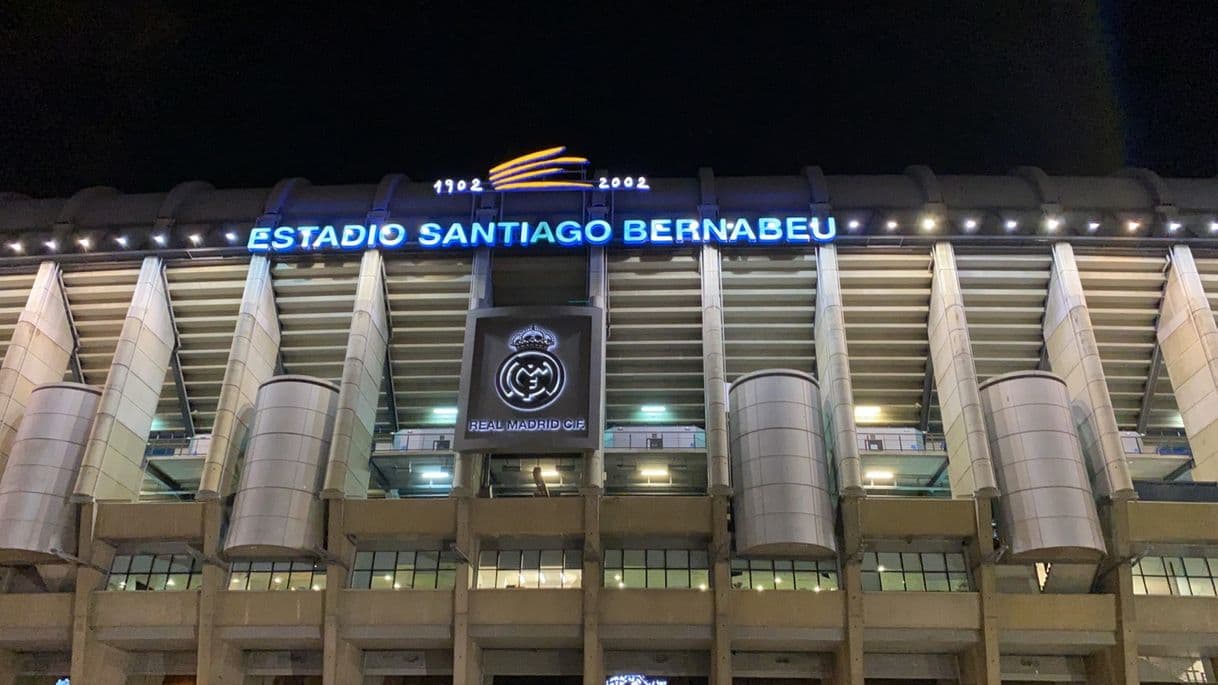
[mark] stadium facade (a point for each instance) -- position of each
(543, 426)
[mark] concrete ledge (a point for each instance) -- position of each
(543, 619)
(36, 622)
(153, 621)
(652, 516)
(1056, 624)
(528, 517)
(1177, 625)
(271, 620)
(787, 620)
(903, 517)
(1173, 522)
(390, 518)
(149, 521)
(403, 619)
(656, 619)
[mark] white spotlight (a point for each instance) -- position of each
(970, 224)
(1133, 226)
(196, 238)
(121, 240)
(1052, 223)
(1093, 226)
(854, 224)
(51, 245)
(1173, 226)
(16, 247)
(928, 223)
(84, 242)
(892, 225)
(159, 239)
(231, 237)
(1012, 224)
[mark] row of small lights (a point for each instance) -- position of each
(86, 243)
(1051, 224)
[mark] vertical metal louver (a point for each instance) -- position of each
(429, 298)
(99, 301)
(886, 300)
(769, 302)
(315, 300)
(1004, 300)
(1123, 296)
(654, 351)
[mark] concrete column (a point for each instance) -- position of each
(981, 664)
(113, 465)
(594, 654)
(970, 468)
(848, 658)
(359, 393)
(38, 352)
(720, 558)
(467, 654)
(342, 662)
(251, 362)
(833, 371)
(714, 373)
(1188, 338)
(467, 469)
(219, 662)
(10, 666)
(598, 296)
(92, 661)
(1119, 663)
(1075, 356)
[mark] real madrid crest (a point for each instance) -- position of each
(532, 377)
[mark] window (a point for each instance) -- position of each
(915, 572)
(530, 568)
(784, 574)
(156, 572)
(657, 568)
(1184, 576)
(277, 575)
(404, 570)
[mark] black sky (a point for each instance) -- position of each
(142, 96)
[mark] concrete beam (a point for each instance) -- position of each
(347, 471)
(112, 467)
(1188, 338)
(970, 465)
(252, 360)
(833, 371)
(714, 373)
(38, 353)
(1075, 356)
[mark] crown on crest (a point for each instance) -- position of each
(533, 339)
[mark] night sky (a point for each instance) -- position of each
(142, 96)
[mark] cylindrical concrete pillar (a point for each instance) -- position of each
(780, 470)
(36, 517)
(277, 512)
(1046, 507)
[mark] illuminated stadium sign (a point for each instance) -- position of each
(547, 170)
(658, 231)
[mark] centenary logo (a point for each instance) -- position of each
(547, 169)
(532, 377)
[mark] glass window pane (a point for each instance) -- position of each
(260, 580)
(121, 563)
(740, 564)
(261, 566)
(141, 563)
(958, 581)
(869, 561)
(363, 560)
(740, 579)
(955, 561)
(1195, 567)
(761, 565)
(634, 577)
(1174, 566)
(828, 580)
(551, 558)
(633, 558)
(1157, 585)
(429, 560)
(507, 579)
(361, 580)
(488, 559)
(678, 558)
(157, 581)
(613, 558)
(549, 578)
(177, 581)
(699, 579)
(530, 559)
(425, 579)
(889, 561)
(196, 580)
(238, 580)
(572, 577)
(655, 577)
(180, 563)
(892, 581)
(529, 578)
(805, 565)
(677, 578)
(116, 581)
(697, 559)
(448, 561)
(300, 580)
(160, 564)
(655, 558)
(933, 562)
(936, 582)
(805, 580)
(1152, 566)
(574, 559)
(445, 580)
(1201, 587)
(784, 580)
(911, 561)
(319, 581)
(509, 559)
(486, 578)
(871, 581)
(382, 580)
(914, 582)
(405, 561)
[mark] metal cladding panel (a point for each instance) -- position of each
(780, 471)
(36, 515)
(1047, 509)
(277, 512)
